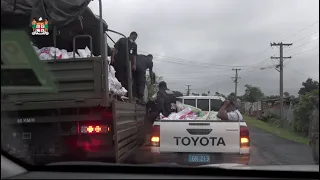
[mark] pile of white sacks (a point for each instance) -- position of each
(48, 53)
(187, 112)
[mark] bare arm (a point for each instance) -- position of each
(222, 114)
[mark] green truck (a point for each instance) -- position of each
(82, 120)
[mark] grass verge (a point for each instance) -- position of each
(283, 133)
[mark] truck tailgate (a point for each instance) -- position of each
(199, 136)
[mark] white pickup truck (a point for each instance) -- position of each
(200, 141)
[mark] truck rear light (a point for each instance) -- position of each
(155, 139)
(155, 135)
(244, 137)
(94, 129)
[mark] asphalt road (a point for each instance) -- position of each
(269, 149)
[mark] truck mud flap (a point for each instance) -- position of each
(125, 130)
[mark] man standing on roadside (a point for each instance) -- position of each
(139, 76)
(118, 58)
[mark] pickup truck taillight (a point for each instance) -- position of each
(244, 137)
(155, 135)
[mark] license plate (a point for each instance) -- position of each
(198, 158)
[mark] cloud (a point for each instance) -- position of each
(198, 42)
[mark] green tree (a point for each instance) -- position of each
(220, 94)
(231, 95)
(308, 86)
(302, 112)
(286, 94)
(252, 93)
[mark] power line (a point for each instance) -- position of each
(297, 72)
(166, 59)
(191, 62)
(302, 53)
(304, 37)
(305, 51)
(303, 44)
(225, 76)
(300, 31)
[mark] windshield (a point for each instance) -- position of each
(88, 95)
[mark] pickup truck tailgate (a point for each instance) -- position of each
(199, 136)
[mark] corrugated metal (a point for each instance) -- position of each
(127, 125)
(141, 117)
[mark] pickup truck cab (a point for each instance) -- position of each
(194, 142)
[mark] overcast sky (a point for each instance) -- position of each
(199, 42)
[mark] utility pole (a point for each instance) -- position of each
(236, 78)
(281, 58)
(188, 90)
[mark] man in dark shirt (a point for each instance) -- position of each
(139, 76)
(165, 102)
(118, 58)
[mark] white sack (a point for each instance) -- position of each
(48, 53)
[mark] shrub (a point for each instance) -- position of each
(302, 112)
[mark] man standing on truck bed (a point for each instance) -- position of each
(118, 58)
(139, 76)
(166, 102)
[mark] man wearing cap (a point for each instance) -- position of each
(118, 58)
